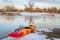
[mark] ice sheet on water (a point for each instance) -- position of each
(32, 14)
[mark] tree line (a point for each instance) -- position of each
(30, 9)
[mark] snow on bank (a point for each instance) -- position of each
(32, 36)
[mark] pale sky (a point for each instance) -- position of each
(38, 3)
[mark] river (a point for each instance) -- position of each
(9, 24)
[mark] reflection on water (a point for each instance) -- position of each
(4, 18)
(8, 24)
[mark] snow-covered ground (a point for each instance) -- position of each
(31, 36)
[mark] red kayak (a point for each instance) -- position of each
(16, 34)
(22, 32)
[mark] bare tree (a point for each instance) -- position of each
(29, 7)
(10, 8)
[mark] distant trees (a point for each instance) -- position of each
(54, 9)
(38, 10)
(45, 10)
(58, 11)
(49, 10)
(0, 10)
(9, 9)
(30, 8)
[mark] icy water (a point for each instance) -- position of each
(8, 24)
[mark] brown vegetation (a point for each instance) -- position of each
(54, 34)
(30, 9)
